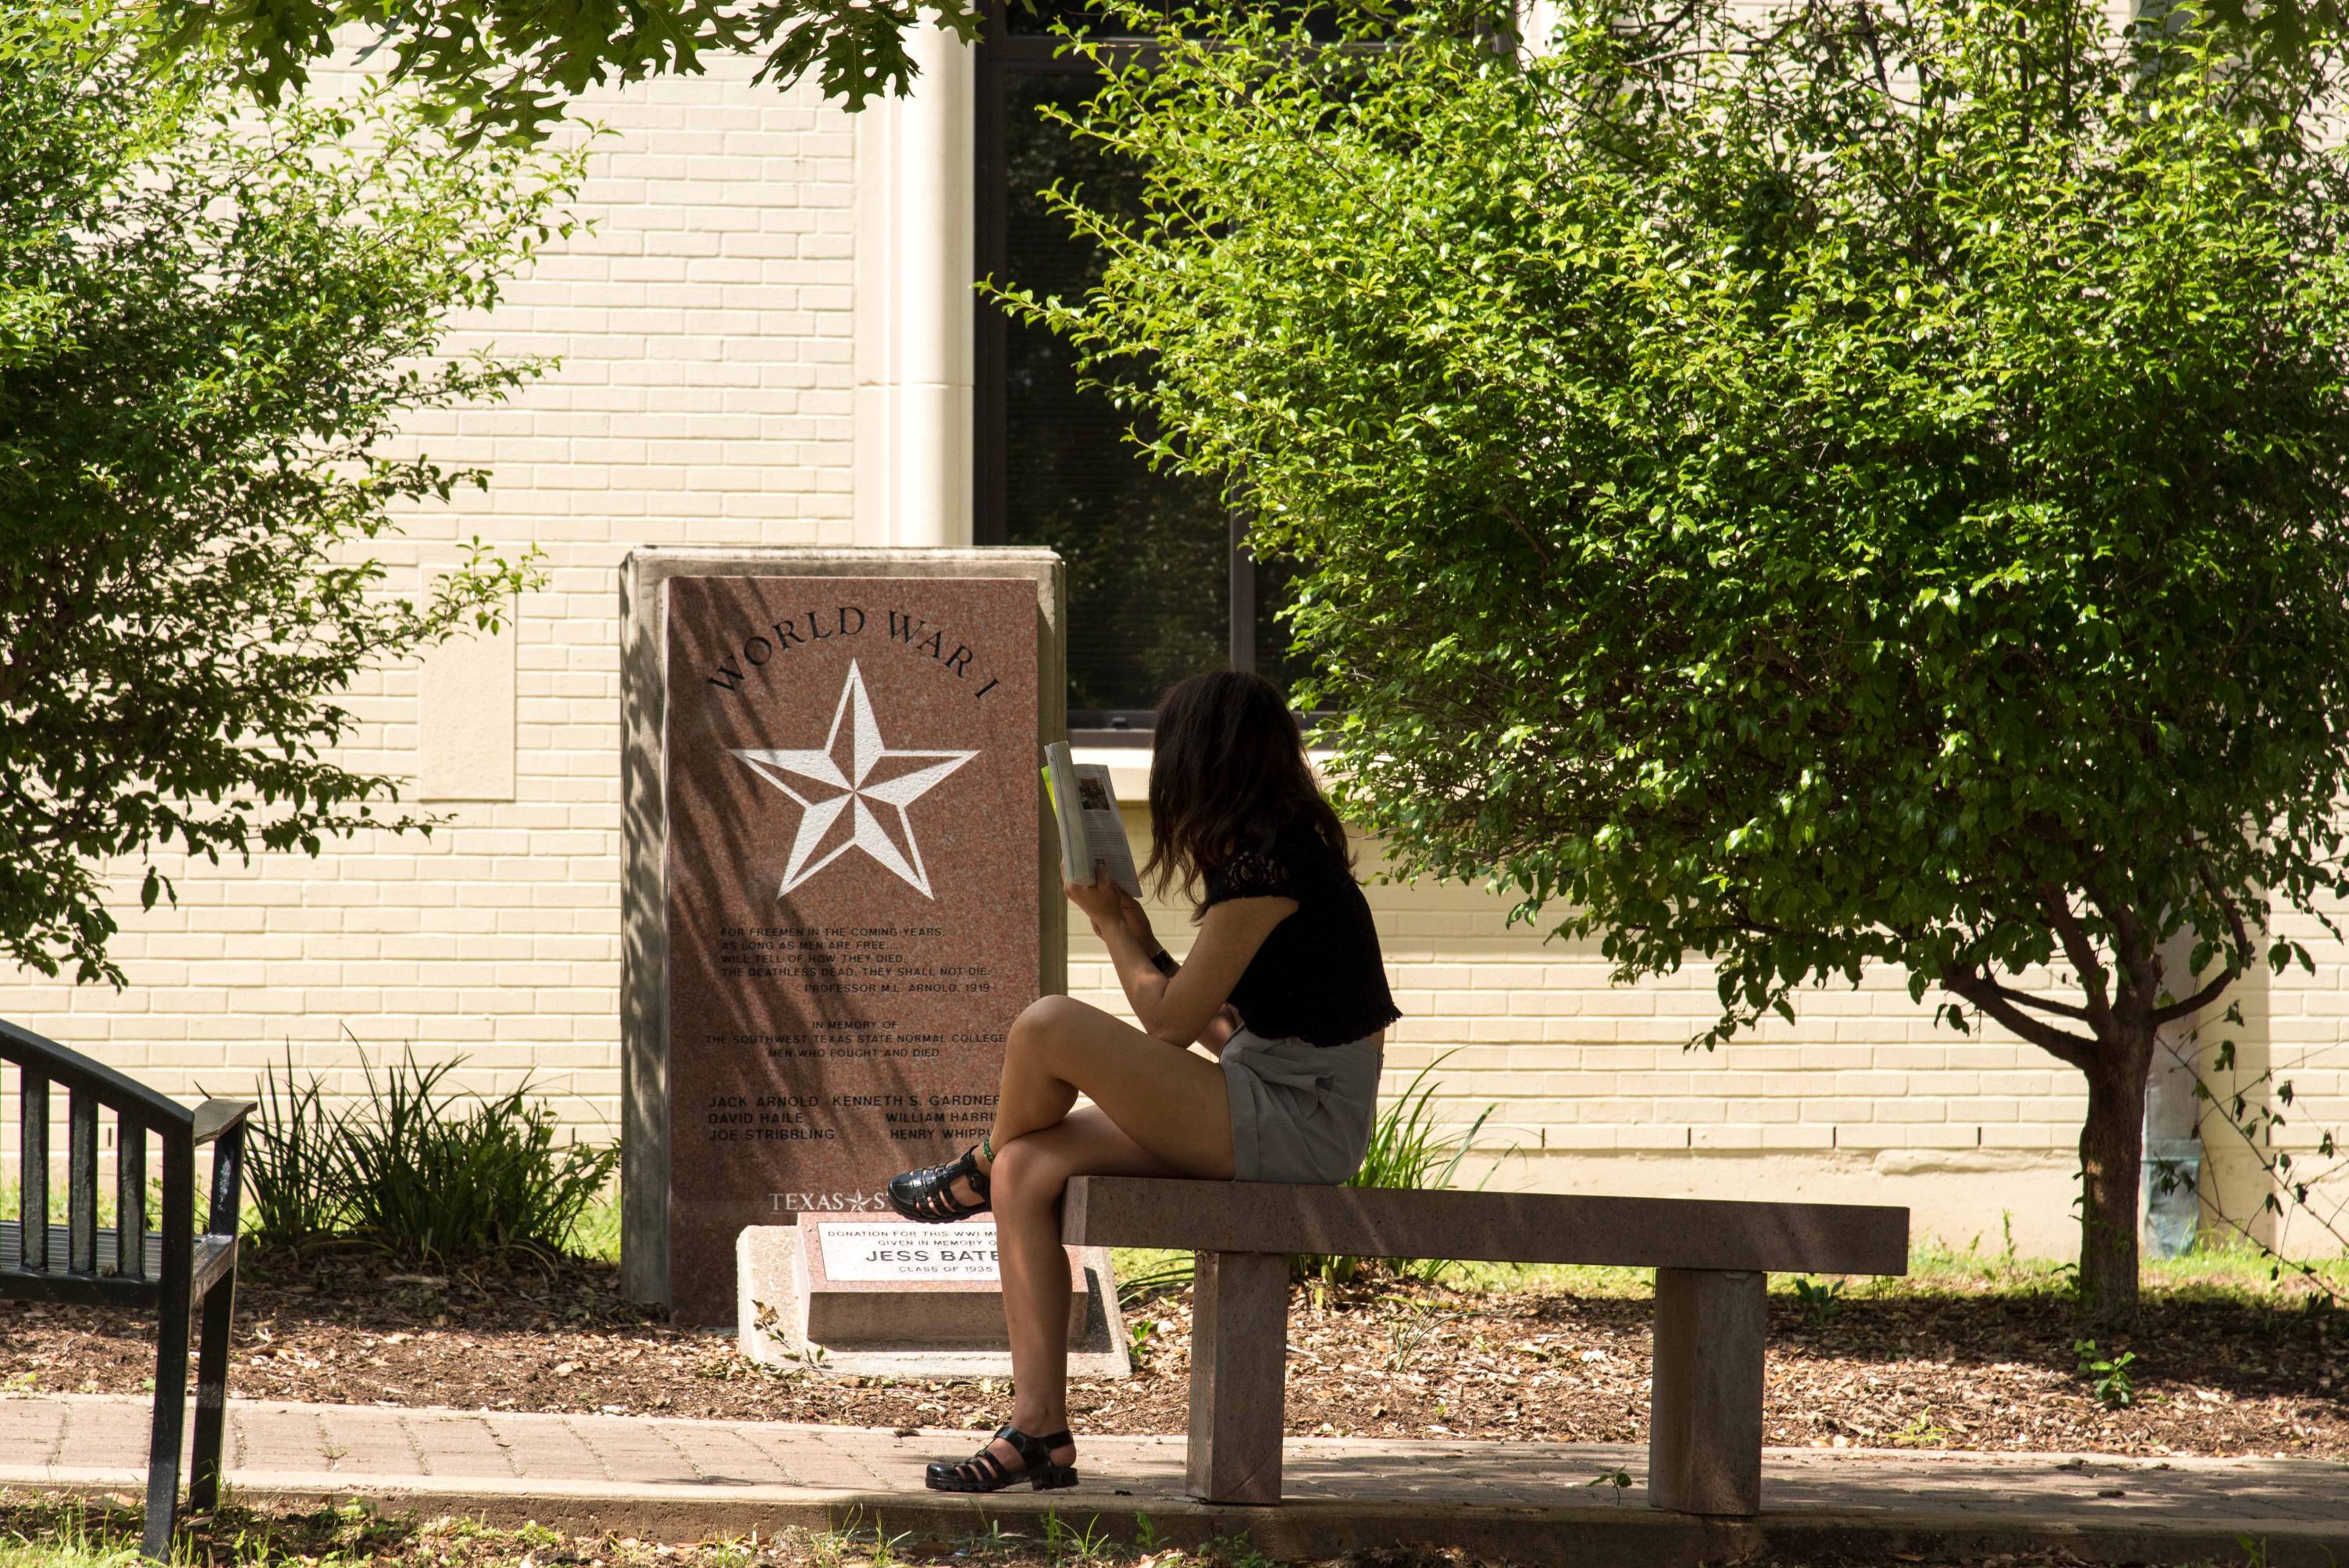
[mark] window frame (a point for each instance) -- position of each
(1000, 55)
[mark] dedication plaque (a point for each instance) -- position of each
(895, 1253)
(851, 891)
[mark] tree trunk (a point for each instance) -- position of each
(2112, 1155)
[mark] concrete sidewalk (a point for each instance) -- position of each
(683, 1480)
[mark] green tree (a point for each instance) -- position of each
(1862, 488)
(209, 328)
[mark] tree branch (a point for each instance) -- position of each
(1523, 532)
(2226, 977)
(2134, 950)
(1994, 999)
(2083, 954)
(2044, 1004)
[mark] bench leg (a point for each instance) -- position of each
(212, 1397)
(1704, 1426)
(1239, 1343)
(170, 1415)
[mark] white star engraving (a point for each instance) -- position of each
(851, 786)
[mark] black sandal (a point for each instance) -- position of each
(928, 1195)
(984, 1472)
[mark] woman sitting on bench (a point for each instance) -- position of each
(1284, 985)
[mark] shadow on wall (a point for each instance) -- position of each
(2235, 1181)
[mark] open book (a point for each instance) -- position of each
(1090, 831)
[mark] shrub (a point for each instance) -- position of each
(418, 1170)
(292, 1161)
(1853, 487)
(216, 329)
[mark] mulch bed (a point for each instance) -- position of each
(2215, 1374)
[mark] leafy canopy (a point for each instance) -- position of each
(210, 328)
(506, 68)
(1862, 486)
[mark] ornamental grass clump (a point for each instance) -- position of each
(1857, 486)
(293, 1162)
(422, 1172)
(433, 1175)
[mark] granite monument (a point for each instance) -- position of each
(840, 889)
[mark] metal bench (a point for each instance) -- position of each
(171, 1268)
(1704, 1423)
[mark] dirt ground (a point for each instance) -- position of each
(2215, 1373)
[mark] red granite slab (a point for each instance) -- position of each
(852, 775)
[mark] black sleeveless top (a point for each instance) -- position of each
(1319, 976)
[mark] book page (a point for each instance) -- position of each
(1104, 830)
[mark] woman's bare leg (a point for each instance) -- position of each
(1030, 1172)
(1158, 1111)
(1168, 1100)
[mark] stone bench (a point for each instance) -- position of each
(1704, 1422)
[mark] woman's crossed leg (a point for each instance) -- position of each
(1158, 1111)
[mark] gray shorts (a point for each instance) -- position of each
(1300, 1112)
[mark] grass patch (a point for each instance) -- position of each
(60, 1533)
(2215, 1271)
(52, 1532)
(1146, 1273)
(596, 1233)
(2215, 1268)
(12, 1197)
(595, 1237)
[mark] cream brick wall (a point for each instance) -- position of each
(2292, 1031)
(706, 397)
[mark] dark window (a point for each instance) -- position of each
(1160, 585)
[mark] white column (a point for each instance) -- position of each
(914, 304)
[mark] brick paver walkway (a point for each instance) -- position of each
(684, 1479)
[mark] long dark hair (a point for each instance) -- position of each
(1227, 773)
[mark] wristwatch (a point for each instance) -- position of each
(1163, 962)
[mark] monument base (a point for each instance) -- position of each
(850, 1296)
